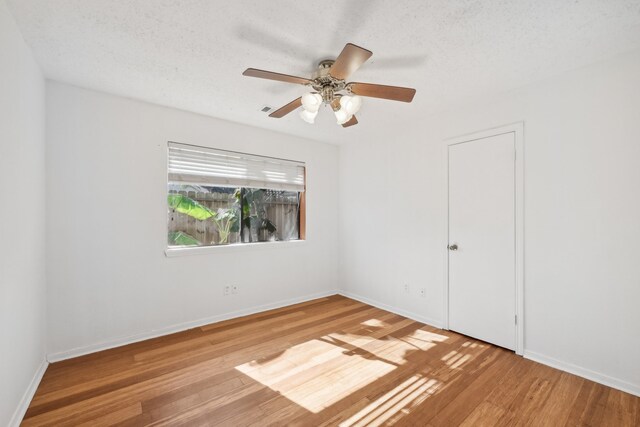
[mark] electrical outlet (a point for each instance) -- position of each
(235, 289)
(423, 292)
(406, 288)
(226, 290)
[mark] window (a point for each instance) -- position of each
(218, 197)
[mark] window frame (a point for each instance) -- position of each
(177, 251)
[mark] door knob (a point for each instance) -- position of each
(453, 247)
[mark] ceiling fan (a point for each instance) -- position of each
(331, 88)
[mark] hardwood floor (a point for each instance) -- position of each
(331, 361)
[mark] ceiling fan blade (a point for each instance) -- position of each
(351, 122)
(349, 60)
(283, 111)
(270, 75)
(395, 93)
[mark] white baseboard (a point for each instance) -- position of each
(120, 341)
(21, 410)
(584, 373)
(117, 342)
(382, 306)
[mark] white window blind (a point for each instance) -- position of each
(190, 164)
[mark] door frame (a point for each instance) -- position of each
(518, 130)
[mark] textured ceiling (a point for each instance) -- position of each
(190, 54)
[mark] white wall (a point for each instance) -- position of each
(582, 216)
(22, 220)
(109, 279)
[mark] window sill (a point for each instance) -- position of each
(201, 250)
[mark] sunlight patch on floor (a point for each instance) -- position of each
(396, 403)
(455, 359)
(375, 323)
(316, 374)
(320, 372)
(390, 349)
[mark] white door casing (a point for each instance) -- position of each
(484, 282)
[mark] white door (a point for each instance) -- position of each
(482, 302)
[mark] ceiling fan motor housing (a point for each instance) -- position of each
(325, 83)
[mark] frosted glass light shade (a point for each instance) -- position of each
(351, 104)
(311, 101)
(342, 116)
(308, 116)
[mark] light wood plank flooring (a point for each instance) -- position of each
(331, 361)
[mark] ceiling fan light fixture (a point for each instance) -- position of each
(342, 116)
(308, 116)
(351, 104)
(311, 101)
